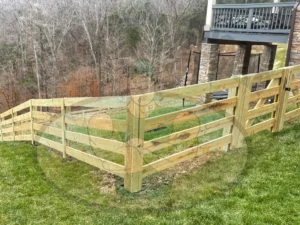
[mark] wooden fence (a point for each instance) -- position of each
(82, 127)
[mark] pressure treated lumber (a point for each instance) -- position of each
(260, 126)
(184, 155)
(97, 142)
(263, 95)
(97, 122)
(54, 102)
(63, 127)
(23, 117)
(1, 129)
(272, 90)
(22, 106)
(292, 115)
(190, 113)
(99, 102)
(46, 116)
(239, 124)
(268, 75)
(189, 92)
(100, 163)
(47, 129)
(184, 135)
(22, 127)
(23, 138)
(282, 100)
(253, 113)
(293, 100)
(52, 144)
(136, 113)
(7, 130)
(232, 92)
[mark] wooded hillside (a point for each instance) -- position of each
(54, 48)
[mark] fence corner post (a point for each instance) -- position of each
(136, 112)
(283, 96)
(241, 111)
(63, 127)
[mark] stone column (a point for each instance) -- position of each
(295, 48)
(242, 59)
(267, 58)
(208, 64)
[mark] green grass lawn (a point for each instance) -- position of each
(280, 56)
(258, 184)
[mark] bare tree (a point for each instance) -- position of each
(43, 42)
(53, 19)
(91, 15)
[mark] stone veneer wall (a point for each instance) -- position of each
(267, 62)
(267, 58)
(208, 66)
(208, 62)
(242, 59)
(295, 50)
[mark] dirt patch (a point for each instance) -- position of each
(165, 178)
(171, 175)
(108, 184)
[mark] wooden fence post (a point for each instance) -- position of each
(232, 92)
(1, 128)
(68, 110)
(13, 123)
(63, 127)
(136, 112)
(242, 107)
(282, 100)
(31, 123)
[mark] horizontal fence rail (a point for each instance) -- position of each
(136, 136)
(253, 18)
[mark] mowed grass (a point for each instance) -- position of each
(258, 184)
(280, 56)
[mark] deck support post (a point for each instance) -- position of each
(208, 65)
(242, 59)
(209, 14)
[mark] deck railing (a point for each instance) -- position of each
(253, 18)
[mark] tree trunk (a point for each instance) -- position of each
(37, 71)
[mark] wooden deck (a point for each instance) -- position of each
(259, 22)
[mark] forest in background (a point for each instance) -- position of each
(76, 48)
(56, 48)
